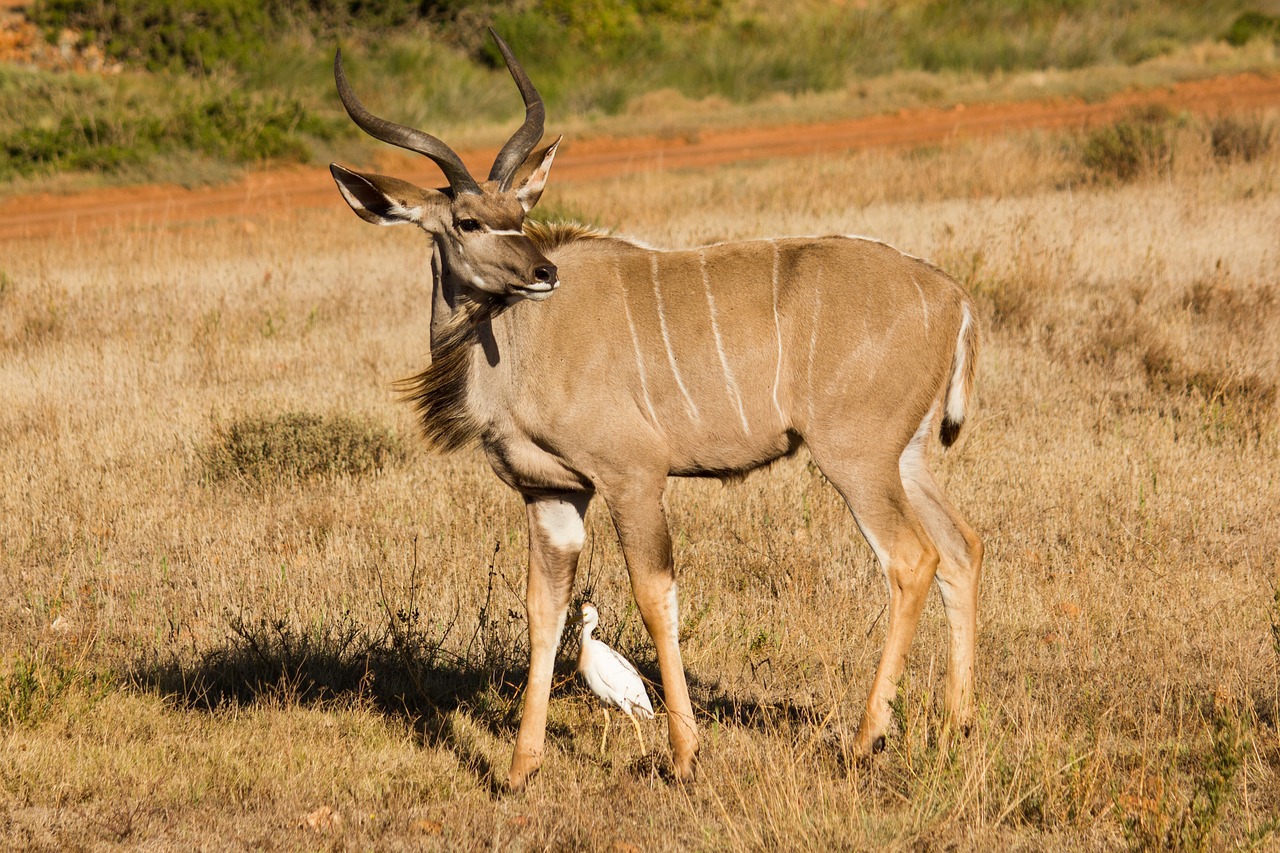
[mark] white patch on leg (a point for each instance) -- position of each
(673, 608)
(561, 523)
(912, 461)
(882, 556)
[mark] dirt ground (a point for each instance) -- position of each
(278, 192)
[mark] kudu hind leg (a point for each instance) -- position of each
(646, 545)
(959, 571)
(909, 558)
(556, 535)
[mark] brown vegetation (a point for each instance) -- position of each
(329, 661)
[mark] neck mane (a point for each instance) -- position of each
(439, 393)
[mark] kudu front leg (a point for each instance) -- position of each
(556, 534)
(646, 545)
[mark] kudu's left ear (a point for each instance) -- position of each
(379, 199)
(529, 189)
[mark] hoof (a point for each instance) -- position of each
(523, 767)
(864, 747)
(685, 767)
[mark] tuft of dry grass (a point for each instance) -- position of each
(1235, 138)
(336, 661)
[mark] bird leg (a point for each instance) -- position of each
(639, 739)
(604, 736)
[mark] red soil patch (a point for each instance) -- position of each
(278, 192)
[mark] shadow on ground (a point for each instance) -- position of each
(443, 694)
(398, 670)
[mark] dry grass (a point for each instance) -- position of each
(191, 664)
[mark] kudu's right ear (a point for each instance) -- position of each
(379, 199)
(531, 177)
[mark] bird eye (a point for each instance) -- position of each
(469, 225)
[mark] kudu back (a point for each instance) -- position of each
(713, 361)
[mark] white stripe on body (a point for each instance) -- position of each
(731, 386)
(635, 345)
(924, 304)
(666, 338)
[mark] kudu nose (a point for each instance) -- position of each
(545, 273)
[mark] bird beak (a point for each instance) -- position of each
(574, 620)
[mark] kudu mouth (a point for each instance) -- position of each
(539, 291)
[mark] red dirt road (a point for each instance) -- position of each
(278, 192)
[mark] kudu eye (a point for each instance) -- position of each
(469, 225)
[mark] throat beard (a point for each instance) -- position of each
(439, 393)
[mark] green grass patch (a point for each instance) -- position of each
(298, 445)
(38, 682)
(109, 126)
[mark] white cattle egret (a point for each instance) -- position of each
(611, 677)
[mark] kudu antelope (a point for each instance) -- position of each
(702, 362)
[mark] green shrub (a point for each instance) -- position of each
(107, 137)
(1251, 25)
(298, 445)
(242, 128)
(192, 34)
(1131, 147)
(202, 35)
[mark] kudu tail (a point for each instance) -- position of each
(960, 385)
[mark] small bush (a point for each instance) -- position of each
(297, 445)
(1131, 147)
(1251, 25)
(1235, 139)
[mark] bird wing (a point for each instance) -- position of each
(631, 689)
(623, 662)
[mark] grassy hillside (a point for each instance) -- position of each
(216, 84)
